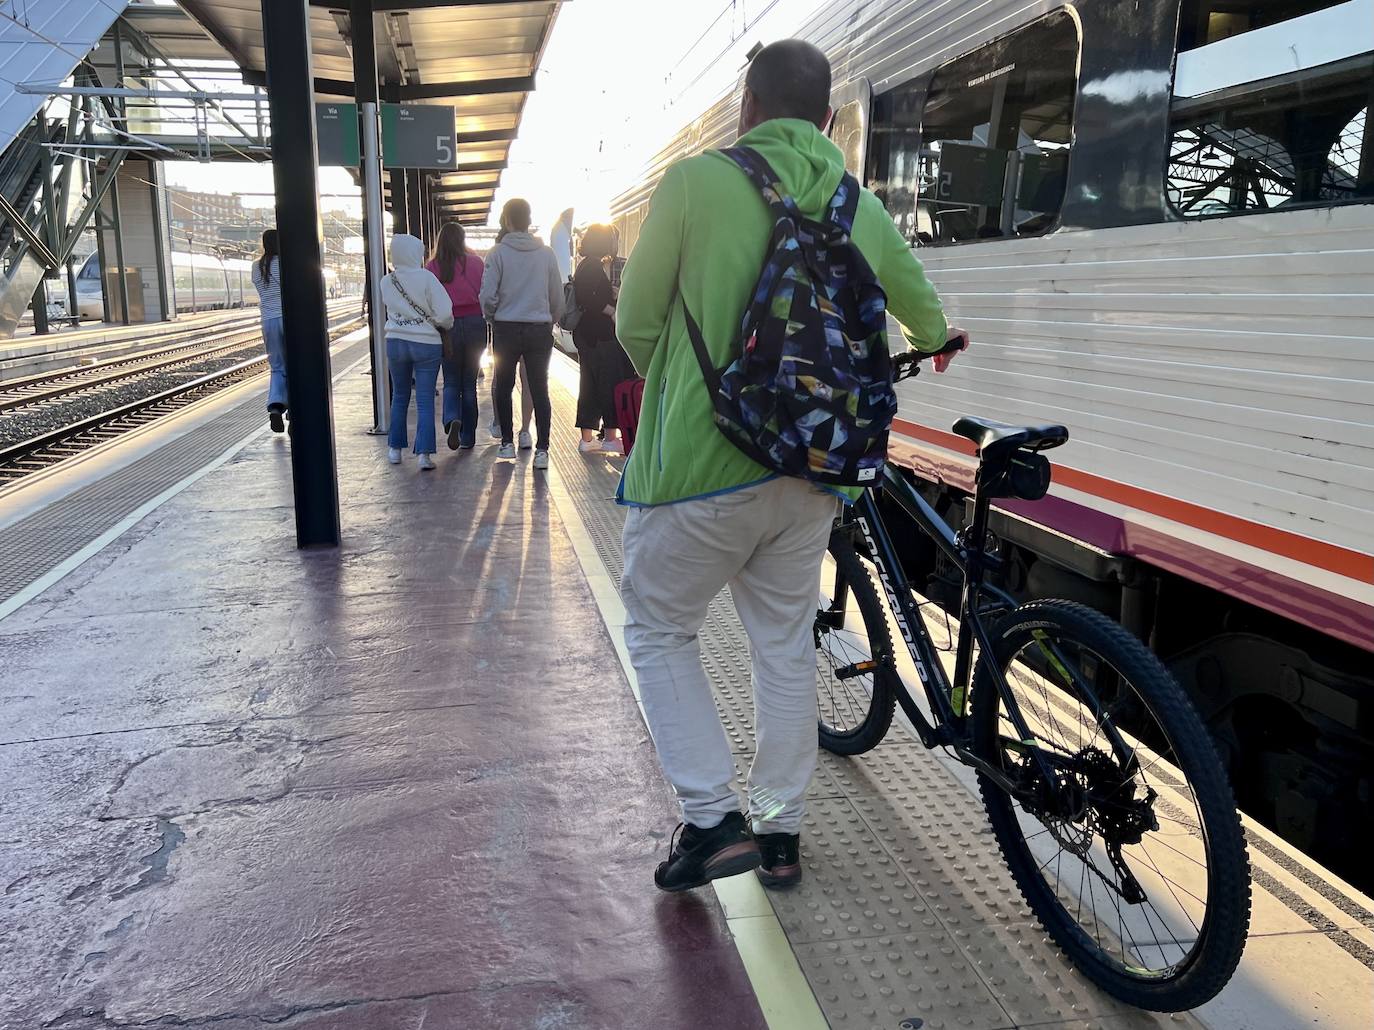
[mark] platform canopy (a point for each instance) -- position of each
(478, 57)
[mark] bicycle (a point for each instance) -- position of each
(1086, 748)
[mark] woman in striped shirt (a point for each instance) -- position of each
(267, 280)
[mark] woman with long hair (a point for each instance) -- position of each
(267, 281)
(461, 274)
(601, 361)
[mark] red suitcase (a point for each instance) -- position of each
(628, 396)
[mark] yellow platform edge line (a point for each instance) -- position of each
(775, 975)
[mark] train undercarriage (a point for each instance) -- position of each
(1290, 709)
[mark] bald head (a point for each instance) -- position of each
(787, 79)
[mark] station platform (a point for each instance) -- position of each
(406, 783)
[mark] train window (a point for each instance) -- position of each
(1271, 106)
(982, 151)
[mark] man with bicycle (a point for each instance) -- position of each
(704, 513)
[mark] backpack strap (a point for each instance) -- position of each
(844, 205)
(761, 174)
(709, 372)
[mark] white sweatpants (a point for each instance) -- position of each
(767, 542)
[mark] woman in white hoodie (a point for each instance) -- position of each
(417, 308)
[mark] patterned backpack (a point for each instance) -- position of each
(811, 393)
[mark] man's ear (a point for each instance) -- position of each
(829, 117)
(747, 104)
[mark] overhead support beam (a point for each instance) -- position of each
(441, 190)
(469, 88)
(392, 93)
(286, 35)
(487, 136)
(480, 166)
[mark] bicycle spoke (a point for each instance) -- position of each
(1117, 770)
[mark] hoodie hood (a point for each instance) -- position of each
(521, 241)
(809, 165)
(407, 251)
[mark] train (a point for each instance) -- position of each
(1154, 217)
(200, 282)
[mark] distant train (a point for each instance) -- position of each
(200, 282)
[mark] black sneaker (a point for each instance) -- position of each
(274, 416)
(454, 432)
(699, 856)
(781, 866)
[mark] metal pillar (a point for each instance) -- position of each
(40, 308)
(73, 314)
(376, 266)
(291, 96)
(400, 207)
(364, 42)
(414, 210)
(119, 252)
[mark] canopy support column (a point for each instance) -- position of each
(291, 95)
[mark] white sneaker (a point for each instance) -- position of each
(541, 459)
(507, 451)
(525, 442)
(393, 455)
(589, 446)
(426, 462)
(613, 446)
(494, 429)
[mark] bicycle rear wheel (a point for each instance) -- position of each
(856, 682)
(1128, 846)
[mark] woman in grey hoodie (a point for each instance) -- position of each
(522, 297)
(417, 307)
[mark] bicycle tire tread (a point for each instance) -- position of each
(883, 702)
(1227, 922)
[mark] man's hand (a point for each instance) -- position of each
(960, 336)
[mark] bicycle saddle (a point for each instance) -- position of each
(997, 439)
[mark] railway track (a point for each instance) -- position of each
(195, 344)
(54, 445)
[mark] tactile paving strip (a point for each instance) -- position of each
(906, 916)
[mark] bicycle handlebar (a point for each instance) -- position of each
(908, 363)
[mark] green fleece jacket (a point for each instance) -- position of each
(705, 236)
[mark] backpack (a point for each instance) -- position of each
(811, 393)
(572, 314)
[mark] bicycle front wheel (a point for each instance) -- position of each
(1123, 836)
(856, 681)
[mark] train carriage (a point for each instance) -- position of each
(1157, 221)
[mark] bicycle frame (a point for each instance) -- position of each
(948, 699)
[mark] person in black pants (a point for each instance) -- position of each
(601, 361)
(522, 297)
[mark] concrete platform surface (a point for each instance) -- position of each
(406, 784)
(402, 784)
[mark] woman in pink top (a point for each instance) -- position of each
(461, 275)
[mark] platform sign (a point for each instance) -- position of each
(336, 134)
(418, 136)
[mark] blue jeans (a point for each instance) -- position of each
(460, 376)
(408, 359)
(274, 337)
